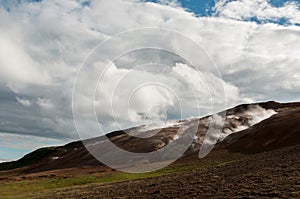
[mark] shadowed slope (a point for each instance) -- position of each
(280, 130)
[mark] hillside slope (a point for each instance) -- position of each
(249, 128)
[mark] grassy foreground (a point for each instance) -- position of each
(34, 187)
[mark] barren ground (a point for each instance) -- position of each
(273, 174)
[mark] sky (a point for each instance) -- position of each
(248, 51)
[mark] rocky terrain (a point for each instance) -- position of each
(273, 174)
(255, 156)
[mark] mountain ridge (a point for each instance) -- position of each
(75, 154)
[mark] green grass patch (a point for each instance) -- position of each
(37, 187)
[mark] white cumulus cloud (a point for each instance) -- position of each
(263, 10)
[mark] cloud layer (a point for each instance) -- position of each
(261, 10)
(43, 45)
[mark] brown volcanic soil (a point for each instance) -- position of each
(273, 174)
(245, 169)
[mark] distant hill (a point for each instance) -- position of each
(249, 128)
